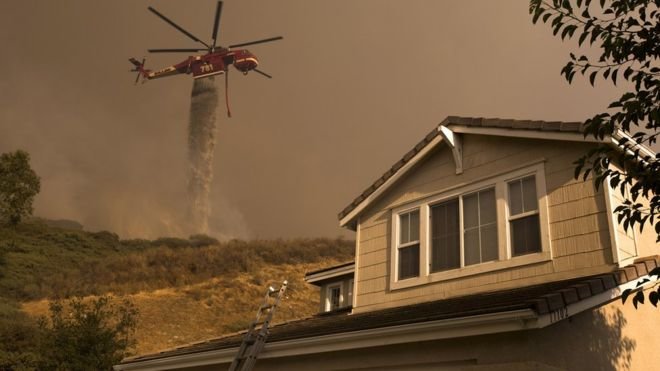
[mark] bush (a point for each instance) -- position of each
(92, 335)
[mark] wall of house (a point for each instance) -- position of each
(579, 237)
(613, 337)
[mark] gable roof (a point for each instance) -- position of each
(538, 303)
(511, 126)
(552, 130)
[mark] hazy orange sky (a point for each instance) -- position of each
(356, 84)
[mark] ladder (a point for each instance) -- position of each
(255, 338)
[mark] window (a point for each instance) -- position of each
(333, 297)
(408, 244)
(478, 228)
(494, 223)
(524, 217)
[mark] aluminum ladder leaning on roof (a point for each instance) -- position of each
(257, 333)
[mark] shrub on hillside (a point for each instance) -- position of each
(199, 240)
(18, 338)
(172, 242)
(93, 335)
(74, 263)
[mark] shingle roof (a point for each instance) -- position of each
(542, 299)
(544, 126)
(342, 265)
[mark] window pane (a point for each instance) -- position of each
(404, 223)
(471, 211)
(489, 243)
(529, 194)
(403, 228)
(445, 236)
(515, 198)
(487, 208)
(335, 294)
(472, 250)
(414, 226)
(409, 227)
(409, 262)
(525, 235)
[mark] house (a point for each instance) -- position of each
(477, 250)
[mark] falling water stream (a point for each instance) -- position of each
(201, 142)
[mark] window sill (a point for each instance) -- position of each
(472, 270)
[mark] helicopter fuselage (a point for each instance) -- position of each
(214, 63)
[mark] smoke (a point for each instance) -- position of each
(201, 143)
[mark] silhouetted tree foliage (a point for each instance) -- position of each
(77, 336)
(626, 32)
(18, 186)
(86, 335)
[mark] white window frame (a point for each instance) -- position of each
(505, 260)
(328, 296)
(510, 218)
(350, 295)
(399, 246)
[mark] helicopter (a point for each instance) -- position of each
(215, 61)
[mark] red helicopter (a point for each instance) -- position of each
(216, 60)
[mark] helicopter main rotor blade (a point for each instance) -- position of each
(263, 73)
(256, 42)
(216, 24)
(171, 23)
(189, 50)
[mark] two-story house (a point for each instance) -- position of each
(477, 250)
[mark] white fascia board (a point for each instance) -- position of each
(592, 302)
(330, 273)
(390, 181)
(644, 151)
(434, 330)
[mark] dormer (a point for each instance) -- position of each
(336, 286)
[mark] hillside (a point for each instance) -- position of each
(185, 289)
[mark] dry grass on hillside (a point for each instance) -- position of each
(175, 316)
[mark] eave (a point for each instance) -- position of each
(317, 277)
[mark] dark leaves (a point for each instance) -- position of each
(626, 35)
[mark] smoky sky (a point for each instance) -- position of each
(356, 84)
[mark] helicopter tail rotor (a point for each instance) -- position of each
(139, 68)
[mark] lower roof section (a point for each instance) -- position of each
(507, 310)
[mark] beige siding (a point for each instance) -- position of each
(579, 236)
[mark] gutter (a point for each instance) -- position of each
(591, 302)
